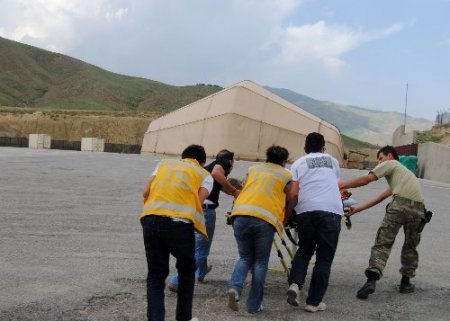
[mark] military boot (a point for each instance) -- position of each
(366, 289)
(369, 286)
(406, 286)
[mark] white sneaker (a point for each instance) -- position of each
(311, 308)
(194, 319)
(292, 295)
(233, 299)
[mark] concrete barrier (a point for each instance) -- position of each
(434, 162)
(92, 144)
(39, 141)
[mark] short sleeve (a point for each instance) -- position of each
(383, 169)
(208, 183)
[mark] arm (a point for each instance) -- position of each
(146, 191)
(291, 190)
(374, 201)
(218, 173)
(357, 181)
(202, 194)
(206, 188)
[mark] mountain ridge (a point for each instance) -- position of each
(368, 125)
(33, 77)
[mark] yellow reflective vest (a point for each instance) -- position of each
(263, 194)
(174, 192)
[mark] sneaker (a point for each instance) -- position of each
(173, 287)
(259, 310)
(208, 269)
(366, 289)
(313, 308)
(233, 299)
(194, 319)
(292, 295)
(406, 288)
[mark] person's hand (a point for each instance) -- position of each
(351, 210)
(236, 183)
(345, 194)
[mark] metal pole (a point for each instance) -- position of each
(406, 105)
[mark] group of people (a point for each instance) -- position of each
(179, 215)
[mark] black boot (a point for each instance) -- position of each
(369, 286)
(366, 289)
(406, 286)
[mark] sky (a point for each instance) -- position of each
(356, 52)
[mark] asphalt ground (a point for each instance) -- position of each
(71, 248)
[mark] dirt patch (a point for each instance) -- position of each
(72, 126)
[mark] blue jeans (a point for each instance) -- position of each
(254, 239)
(202, 246)
(163, 237)
(318, 232)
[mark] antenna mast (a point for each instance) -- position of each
(406, 104)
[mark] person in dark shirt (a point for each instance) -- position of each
(220, 168)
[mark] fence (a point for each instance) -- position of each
(71, 145)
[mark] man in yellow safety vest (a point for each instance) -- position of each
(173, 200)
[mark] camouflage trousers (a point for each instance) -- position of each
(399, 212)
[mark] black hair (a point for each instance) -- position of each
(196, 152)
(277, 154)
(225, 154)
(388, 150)
(314, 143)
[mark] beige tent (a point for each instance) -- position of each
(245, 119)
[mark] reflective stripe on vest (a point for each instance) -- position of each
(200, 170)
(273, 171)
(177, 207)
(269, 216)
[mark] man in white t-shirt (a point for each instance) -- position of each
(319, 213)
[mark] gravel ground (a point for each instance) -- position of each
(71, 248)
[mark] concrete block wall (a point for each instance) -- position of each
(39, 141)
(92, 144)
(434, 162)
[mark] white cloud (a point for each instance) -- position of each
(116, 15)
(316, 43)
(268, 9)
(392, 29)
(445, 43)
(53, 24)
(322, 44)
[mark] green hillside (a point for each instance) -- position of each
(32, 77)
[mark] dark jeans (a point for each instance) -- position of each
(318, 232)
(163, 237)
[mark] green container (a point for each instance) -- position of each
(410, 162)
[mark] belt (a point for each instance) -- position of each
(407, 201)
(209, 206)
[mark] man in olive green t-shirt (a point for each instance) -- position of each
(406, 209)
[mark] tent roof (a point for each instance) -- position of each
(245, 118)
